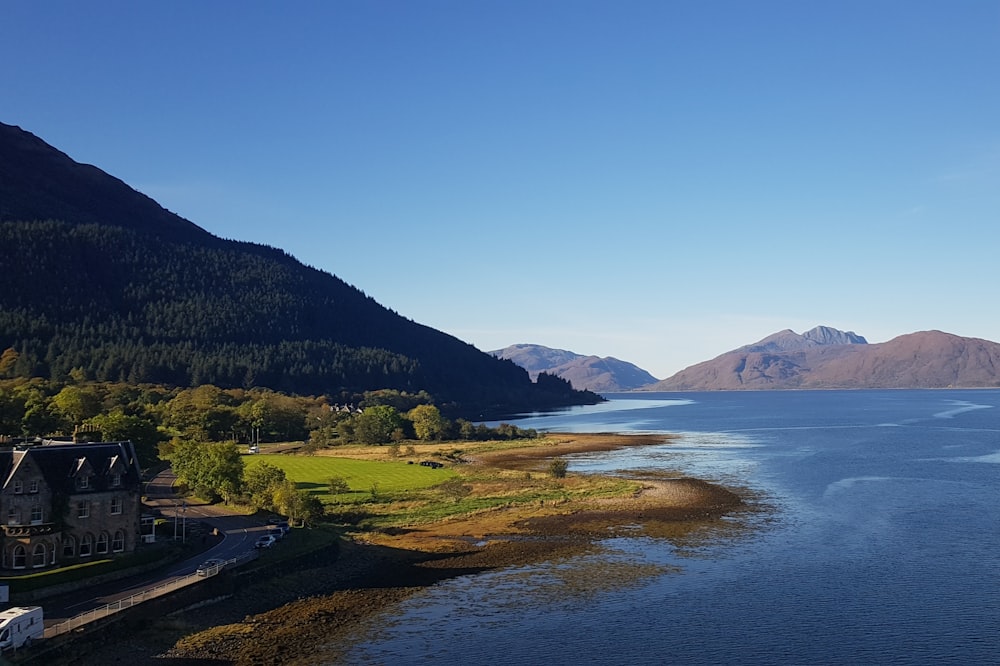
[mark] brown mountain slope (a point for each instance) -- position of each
(928, 359)
(593, 373)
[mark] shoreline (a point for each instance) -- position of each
(315, 614)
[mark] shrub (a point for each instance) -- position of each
(338, 485)
(558, 467)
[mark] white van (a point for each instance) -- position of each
(20, 626)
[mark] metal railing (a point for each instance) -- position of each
(152, 593)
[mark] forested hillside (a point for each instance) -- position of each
(115, 288)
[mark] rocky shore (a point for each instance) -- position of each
(312, 615)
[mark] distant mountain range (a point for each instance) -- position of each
(825, 358)
(100, 282)
(593, 373)
(820, 358)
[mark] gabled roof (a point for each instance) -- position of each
(81, 467)
(6, 465)
(116, 465)
(61, 464)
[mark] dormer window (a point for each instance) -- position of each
(116, 480)
(82, 472)
(33, 486)
(18, 486)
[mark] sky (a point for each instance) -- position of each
(658, 181)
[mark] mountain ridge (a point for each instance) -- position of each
(924, 359)
(101, 281)
(594, 373)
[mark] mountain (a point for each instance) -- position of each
(100, 281)
(788, 340)
(603, 375)
(37, 182)
(535, 358)
(826, 358)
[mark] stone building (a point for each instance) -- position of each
(63, 503)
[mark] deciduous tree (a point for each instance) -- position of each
(212, 470)
(375, 425)
(261, 482)
(428, 424)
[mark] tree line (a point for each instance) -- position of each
(112, 304)
(160, 420)
(200, 431)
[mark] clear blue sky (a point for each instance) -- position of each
(652, 180)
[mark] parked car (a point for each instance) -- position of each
(279, 524)
(210, 567)
(276, 532)
(265, 541)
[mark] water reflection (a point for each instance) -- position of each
(879, 544)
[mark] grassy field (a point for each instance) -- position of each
(389, 478)
(387, 492)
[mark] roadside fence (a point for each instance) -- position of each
(152, 593)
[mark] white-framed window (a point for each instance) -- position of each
(33, 486)
(36, 514)
(118, 545)
(83, 482)
(102, 543)
(19, 556)
(116, 480)
(86, 545)
(18, 486)
(69, 545)
(13, 516)
(83, 509)
(38, 556)
(116, 506)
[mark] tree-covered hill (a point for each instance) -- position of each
(101, 282)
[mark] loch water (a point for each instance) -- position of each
(880, 543)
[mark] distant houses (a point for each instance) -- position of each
(65, 503)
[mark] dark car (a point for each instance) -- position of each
(277, 523)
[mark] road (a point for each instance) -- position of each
(236, 535)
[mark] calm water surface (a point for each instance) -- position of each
(883, 546)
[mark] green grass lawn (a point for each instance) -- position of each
(313, 473)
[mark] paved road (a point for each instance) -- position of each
(238, 531)
(237, 534)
